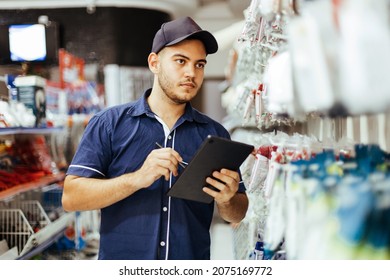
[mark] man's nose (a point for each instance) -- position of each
(190, 71)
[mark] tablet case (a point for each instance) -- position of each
(214, 154)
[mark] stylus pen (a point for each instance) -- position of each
(181, 163)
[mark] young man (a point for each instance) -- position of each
(119, 169)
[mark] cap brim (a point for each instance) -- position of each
(209, 41)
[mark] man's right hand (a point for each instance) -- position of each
(160, 162)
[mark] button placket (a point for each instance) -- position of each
(164, 235)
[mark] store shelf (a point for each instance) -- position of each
(42, 239)
(31, 223)
(29, 130)
(45, 181)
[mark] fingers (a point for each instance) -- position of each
(166, 160)
(228, 177)
(171, 158)
(166, 166)
(226, 182)
(160, 162)
(172, 155)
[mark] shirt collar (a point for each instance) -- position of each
(141, 107)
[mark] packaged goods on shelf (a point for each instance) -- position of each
(31, 92)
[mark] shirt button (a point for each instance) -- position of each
(165, 209)
(169, 137)
(162, 243)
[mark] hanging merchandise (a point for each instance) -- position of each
(339, 52)
(263, 94)
(311, 38)
(260, 174)
(324, 60)
(325, 208)
(318, 186)
(251, 28)
(364, 57)
(278, 77)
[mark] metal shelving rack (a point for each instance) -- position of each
(29, 130)
(31, 221)
(31, 214)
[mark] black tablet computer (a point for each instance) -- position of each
(214, 154)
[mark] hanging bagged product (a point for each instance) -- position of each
(311, 43)
(364, 58)
(278, 79)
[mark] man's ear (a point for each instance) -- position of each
(153, 62)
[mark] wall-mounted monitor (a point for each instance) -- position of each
(29, 42)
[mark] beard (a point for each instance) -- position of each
(168, 87)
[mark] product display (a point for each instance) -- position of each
(31, 213)
(319, 181)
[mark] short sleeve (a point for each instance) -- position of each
(93, 153)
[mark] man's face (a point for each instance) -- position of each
(181, 70)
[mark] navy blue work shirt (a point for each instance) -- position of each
(148, 224)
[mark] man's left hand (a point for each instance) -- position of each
(226, 181)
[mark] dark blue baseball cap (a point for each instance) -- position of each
(175, 31)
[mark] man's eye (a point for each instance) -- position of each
(200, 65)
(180, 61)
